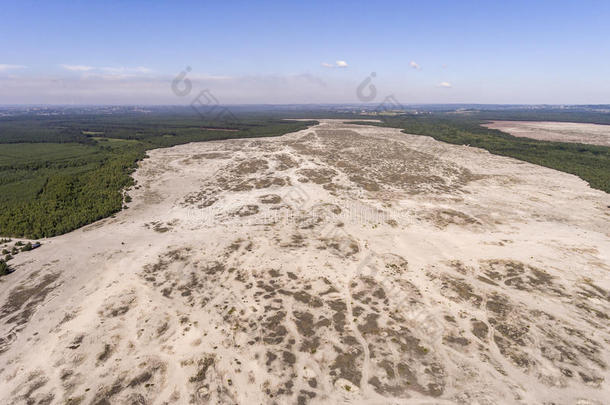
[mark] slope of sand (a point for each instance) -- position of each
(575, 132)
(339, 264)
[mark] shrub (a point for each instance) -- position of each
(4, 269)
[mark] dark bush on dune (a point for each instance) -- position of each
(4, 269)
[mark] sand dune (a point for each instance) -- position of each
(339, 264)
(574, 132)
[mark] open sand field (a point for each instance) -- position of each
(575, 132)
(339, 264)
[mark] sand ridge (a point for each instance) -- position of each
(338, 264)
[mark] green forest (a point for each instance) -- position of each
(589, 162)
(60, 173)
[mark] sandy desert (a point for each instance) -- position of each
(340, 264)
(575, 132)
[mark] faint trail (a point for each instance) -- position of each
(364, 385)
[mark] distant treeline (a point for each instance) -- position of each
(153, 128)
(590, 162)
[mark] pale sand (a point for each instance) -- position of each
(573, 132)
(339, 264)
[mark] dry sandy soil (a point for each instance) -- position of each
(556, 131)
(339, 264)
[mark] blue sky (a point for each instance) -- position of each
(308, 52)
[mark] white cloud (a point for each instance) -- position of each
(122, 69)
(338, 64)
(9, 67)
(198, 76)
(414, 65)
(113, 69)
(142, 69)
(77, 68)
(446, 85)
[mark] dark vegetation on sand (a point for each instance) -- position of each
(589, 162)
(60, 172)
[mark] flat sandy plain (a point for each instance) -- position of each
(338, 264)
(574, 132)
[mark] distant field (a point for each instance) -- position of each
(590, 162)
(574, 132)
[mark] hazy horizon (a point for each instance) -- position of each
(94, 53)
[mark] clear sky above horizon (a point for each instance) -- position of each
(128, 52)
